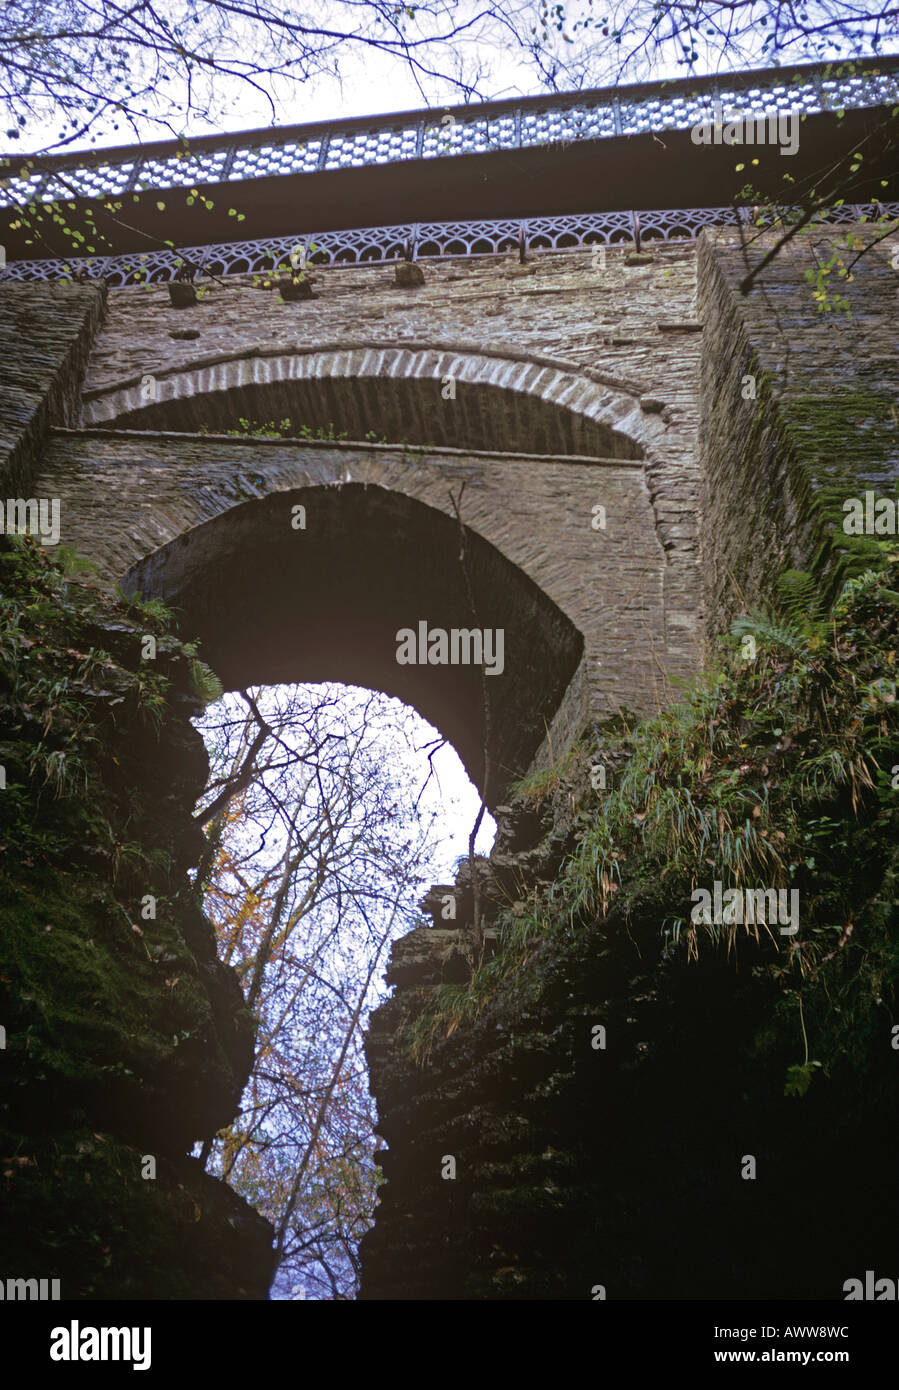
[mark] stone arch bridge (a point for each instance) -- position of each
(567, 462)
(573, 421)
(529, 448)
(603, 452)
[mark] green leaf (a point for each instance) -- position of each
(205, 683)
(799, 1078)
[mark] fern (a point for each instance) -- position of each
(205, 683)
(152, 609)
(773, 631)
(73, 563)
(859, 585)
(799, 596)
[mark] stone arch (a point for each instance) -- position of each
(273, 602)
(496, 401)
(130, 491)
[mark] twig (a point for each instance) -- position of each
(475, 884)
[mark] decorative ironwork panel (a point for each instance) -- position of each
(433, 240)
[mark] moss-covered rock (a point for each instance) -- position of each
(119, 1018)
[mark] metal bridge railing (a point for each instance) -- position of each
(425, 240)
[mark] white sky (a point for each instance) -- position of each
(460, 803)
(376, 83)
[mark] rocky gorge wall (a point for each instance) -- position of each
(614, 1103)
(126, 1040)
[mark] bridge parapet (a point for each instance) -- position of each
(453, 131)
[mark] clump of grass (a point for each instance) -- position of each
(538, 787)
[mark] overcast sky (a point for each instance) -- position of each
(374, 83)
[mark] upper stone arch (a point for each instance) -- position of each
(458, 397)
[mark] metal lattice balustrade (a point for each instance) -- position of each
(428, 239)
(462, 130)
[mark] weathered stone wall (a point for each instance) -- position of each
(821, 428)
(46, 333)
(629, 323)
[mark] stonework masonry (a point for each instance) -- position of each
(570, 384)
(46, 334)
(776, 467)
(128, 496)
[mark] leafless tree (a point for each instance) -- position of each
(78, 68)
(318, 851)
(588, 43)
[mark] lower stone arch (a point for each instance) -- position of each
(276, 602)
(441, 395)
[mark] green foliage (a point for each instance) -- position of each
(833, 270)
(799, 1078)
(307, 432)
(151, 689)
(93, 230)
(776, 772)
(827, 272)
(63, 770)
(260, 429)
(538, 787)
(73, 563)
(799, 596)
(284, 429)
(152, 610)
(767, 628)
(870, 583)
(81, 841)
(205, 683)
